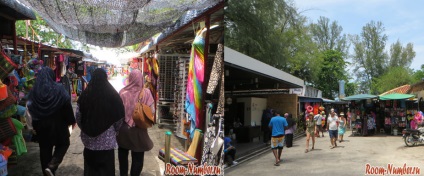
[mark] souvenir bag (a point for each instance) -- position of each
(7, 129)
(142, 115)
(10, 100)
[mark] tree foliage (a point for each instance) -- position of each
(369, 57)
(332, 71)
(329, 36)
(394, 77)
(401, 56)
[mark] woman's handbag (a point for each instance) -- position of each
(142, 115)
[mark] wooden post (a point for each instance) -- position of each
(167, 147)
(15, 39)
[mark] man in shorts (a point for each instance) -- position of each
(332, 128)
(318, 120)
(277, 125)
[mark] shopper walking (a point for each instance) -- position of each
(342, 126)
(266, 118)
(291, 128)
(50, 108)
(100, 113)
(277, 126)
(318, 119)
(310, 131)
(332, 128)
(131, 137)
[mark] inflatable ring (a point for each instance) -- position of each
(309, 108)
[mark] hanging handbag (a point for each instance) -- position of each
(7, 129)
(142, 115)
(10, 100)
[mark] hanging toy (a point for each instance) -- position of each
(309, 108)
(3, 91)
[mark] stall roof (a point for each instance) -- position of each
(396, 96)
(14, 10)
(310, 99)
(246, 73)
(401, 90)
(360, 97)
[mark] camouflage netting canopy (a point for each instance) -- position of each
(116, 23)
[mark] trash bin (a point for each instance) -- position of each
(395, 132)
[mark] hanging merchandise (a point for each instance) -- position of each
(18, 139)
(8, 129)
(194, 101)
(3, 91)
(10, 100)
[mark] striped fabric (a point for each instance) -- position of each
(178, 157)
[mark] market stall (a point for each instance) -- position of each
(363, 112)
(398, 111)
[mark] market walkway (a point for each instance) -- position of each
(349, 158)
(73, 162)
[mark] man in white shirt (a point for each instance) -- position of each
(332, 128)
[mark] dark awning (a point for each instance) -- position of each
(310, 99)
(15, 10)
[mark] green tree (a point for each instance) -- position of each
(351, 89)
(256, 28)
(419, 74)
(43, 33)
(394, 77)
(401, 56)
(332, 71)
(329, 36)
(369, 57)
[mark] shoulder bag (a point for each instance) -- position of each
(142, 115)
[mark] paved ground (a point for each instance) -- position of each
(73, 162)
(349, 158)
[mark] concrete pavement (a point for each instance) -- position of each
(349, 158)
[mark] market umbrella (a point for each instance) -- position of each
(396, 96)
(359, 97)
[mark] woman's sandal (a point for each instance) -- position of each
(306, 150)
(276, 164)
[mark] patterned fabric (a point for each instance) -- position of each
(277, 142)
(105, 141)
(177, 157)
(196, 75)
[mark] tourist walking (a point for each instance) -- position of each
(310, 131)
(342, 126)
(277, 126)
(332, 128)
(318, 119)
(131, 137)
(50, 108)
(291, 128)
(100, 113)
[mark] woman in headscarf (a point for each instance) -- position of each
(51, 110)
(100, 113)
(291, 128)
(131, 137)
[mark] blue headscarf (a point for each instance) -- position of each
(47, 96)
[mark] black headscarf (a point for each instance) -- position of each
(100, 105)
(47, 96)
(290, 121)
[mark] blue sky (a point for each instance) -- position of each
(403, 20)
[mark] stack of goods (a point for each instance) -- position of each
(11, 138)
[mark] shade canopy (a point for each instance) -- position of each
(117, 23)
(359, 97)
(396, 96)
